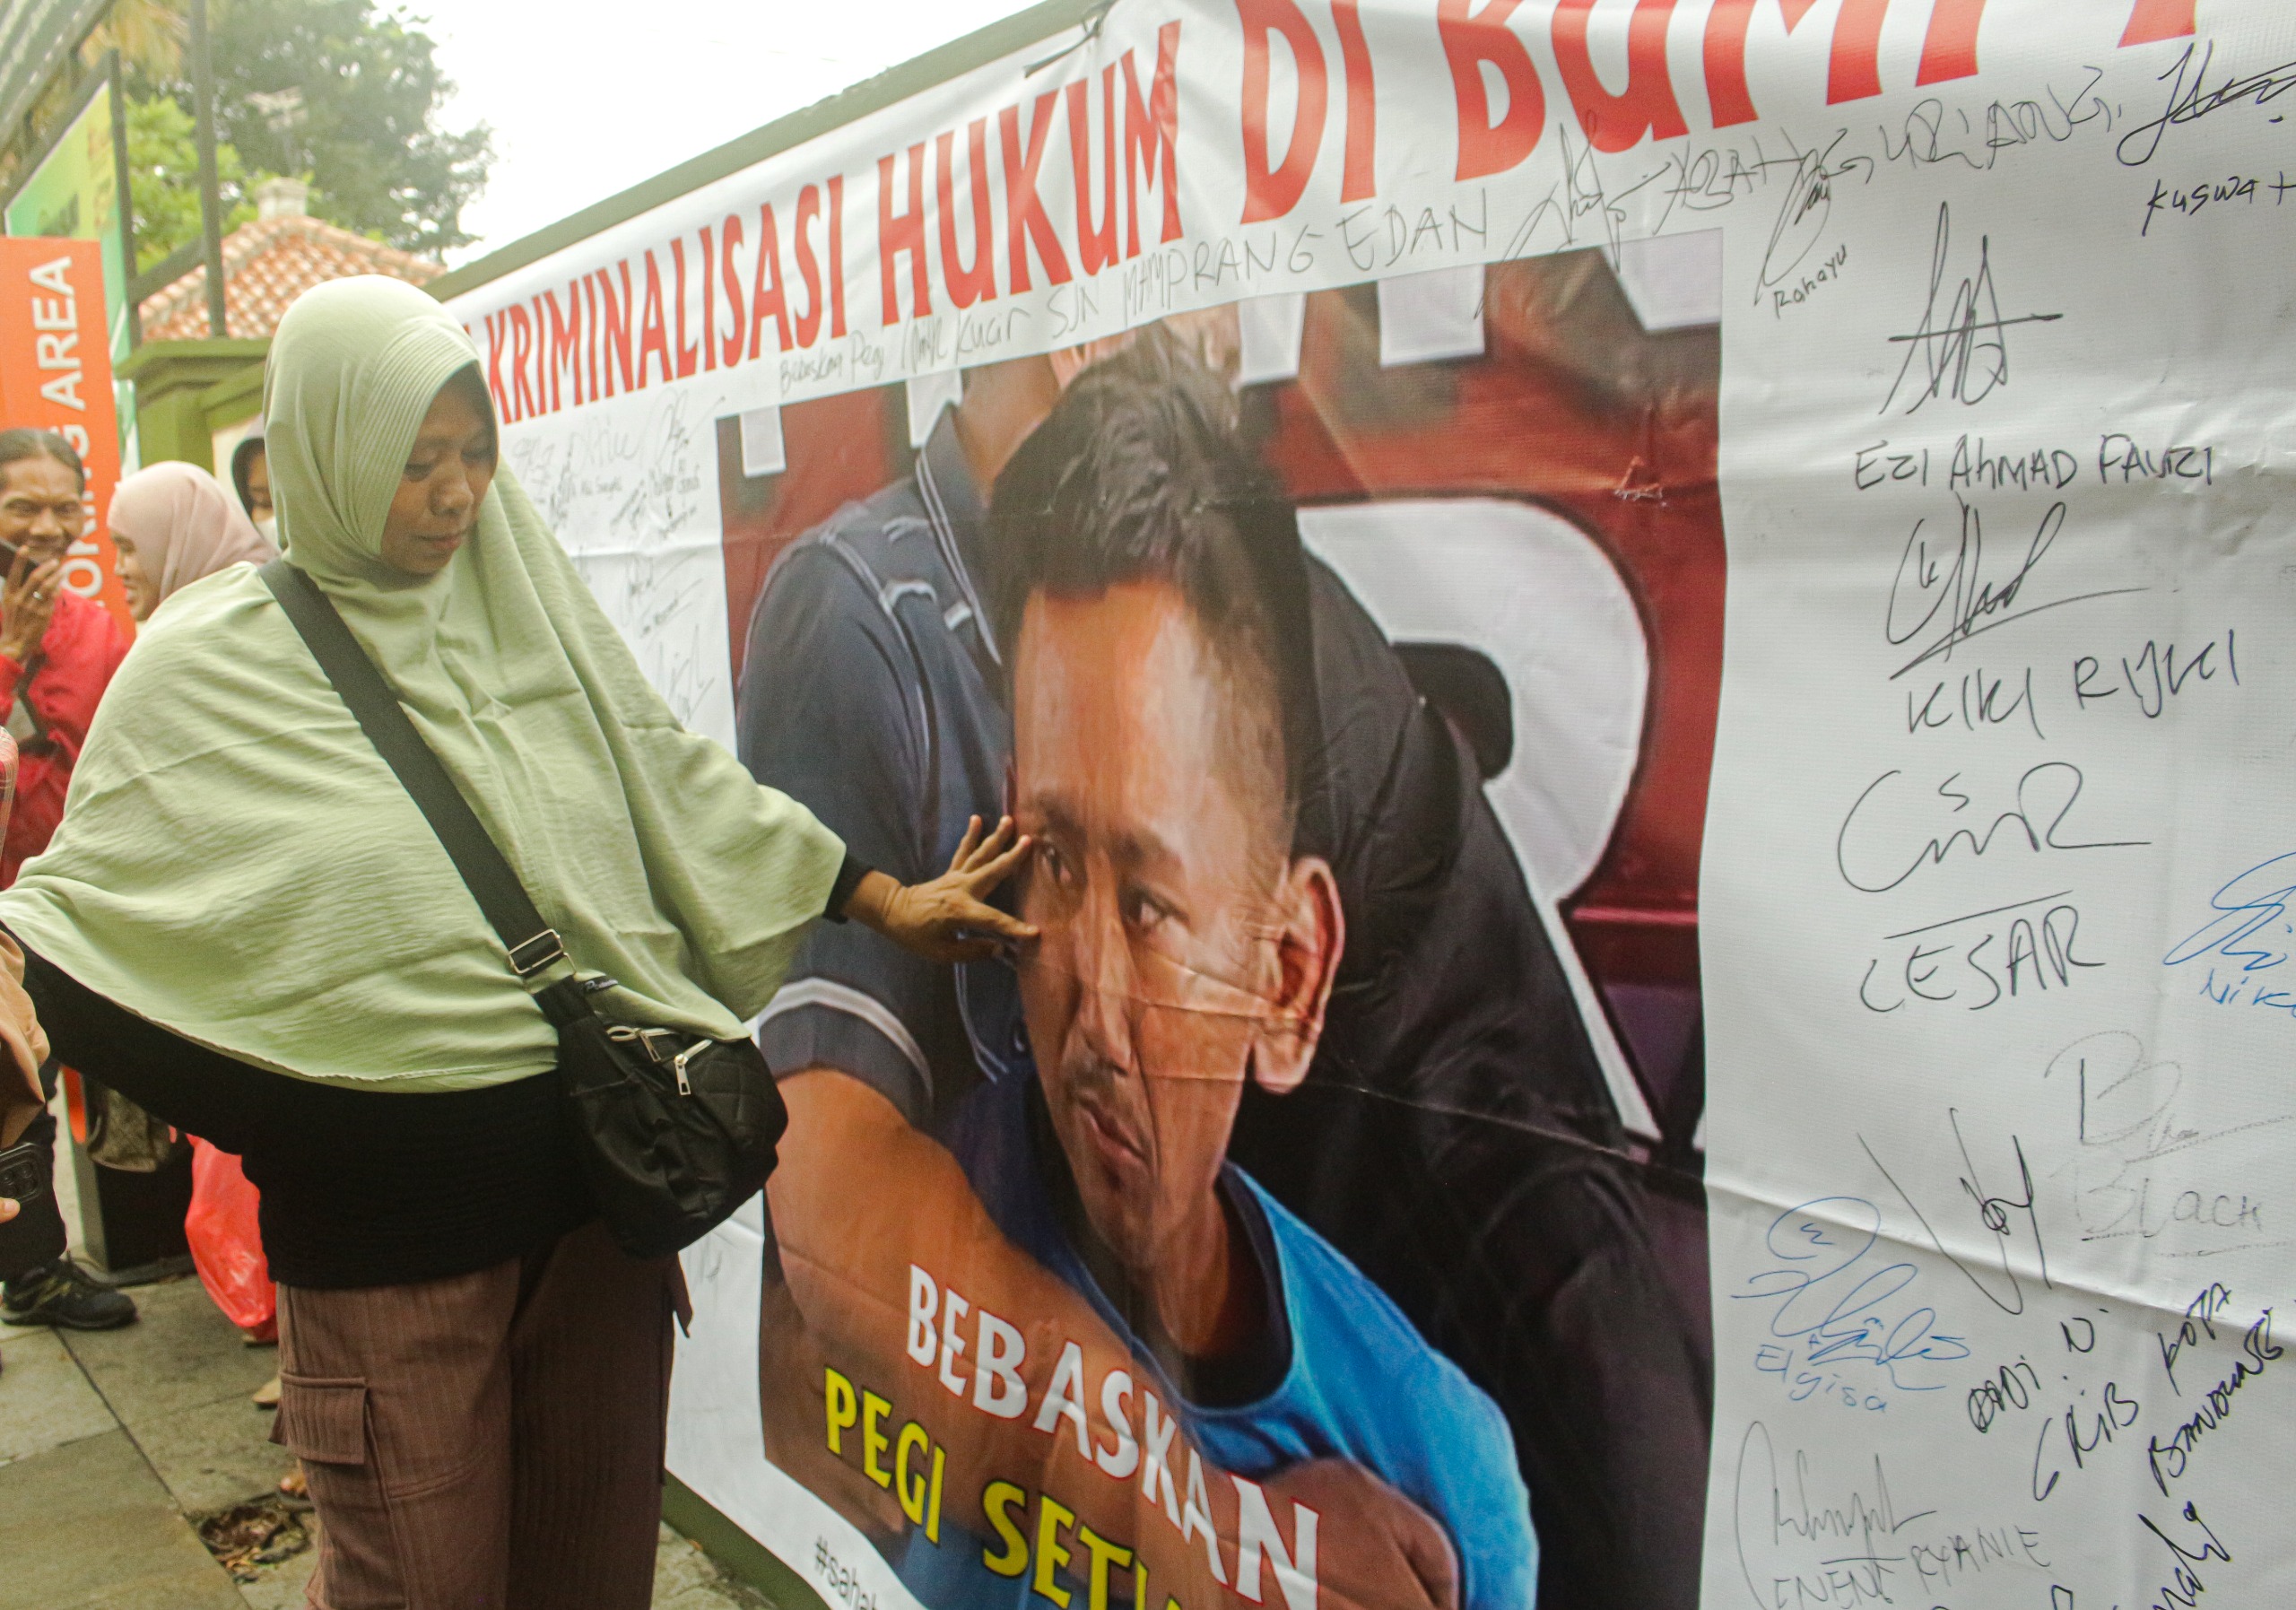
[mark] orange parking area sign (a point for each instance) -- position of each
(55, 375)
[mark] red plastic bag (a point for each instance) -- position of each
(225, 1244)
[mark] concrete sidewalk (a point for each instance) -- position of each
(114, 1444)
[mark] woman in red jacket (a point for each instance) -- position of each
(58, 652)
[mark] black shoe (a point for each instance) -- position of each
(66, 1295)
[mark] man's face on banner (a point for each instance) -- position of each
(1182, 947)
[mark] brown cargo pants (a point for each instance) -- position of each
(490, 1440)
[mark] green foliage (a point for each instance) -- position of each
(347, 94)
(366, 129)
(163, 179)
(148, 34)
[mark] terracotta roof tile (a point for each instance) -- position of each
(266, 265)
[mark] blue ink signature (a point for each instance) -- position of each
(2248, 908)
(1831, 1298)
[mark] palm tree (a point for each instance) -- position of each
(148, 34)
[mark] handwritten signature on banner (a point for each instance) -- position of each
(1942, 596)
(1961, 347)
(2190, 99)
(1844, 1323)
(2082, 1417)
(2053, 1398)
(625, 480)
(2144, 1173)
(1588, 203)
(2244, 944)
(1803, 1537)
(632, 496)
(2021, 948)
(1804, 1541)
(659, 597)
(1871, 849)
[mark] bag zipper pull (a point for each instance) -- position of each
(677, 1066)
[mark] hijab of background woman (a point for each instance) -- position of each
(174, 525)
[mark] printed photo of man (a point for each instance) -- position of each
(1186, 950)
(1448, 1135)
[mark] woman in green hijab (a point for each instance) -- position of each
(247, 925)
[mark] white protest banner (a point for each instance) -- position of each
(1648, 645)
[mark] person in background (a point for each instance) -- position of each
(57, 650)
(22, 1050)
(248, 927)
(58, 654)
(251, 478)
(173, 524)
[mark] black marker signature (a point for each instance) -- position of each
(1580, 196)
(2190, 101)
(2039, 779)
(1809, 202)
(1927, 139)
(1963, 351)
(1796, 1546)
(1954, 586)
(1998, 1214)
(2184, 1586)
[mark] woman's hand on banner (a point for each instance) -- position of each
(949, 919)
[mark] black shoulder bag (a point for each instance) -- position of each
(674, 1131)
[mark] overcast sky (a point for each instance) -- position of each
(587, 98)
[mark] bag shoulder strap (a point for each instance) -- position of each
(532, 944)
(38, 740)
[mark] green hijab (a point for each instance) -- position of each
(236, 863)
